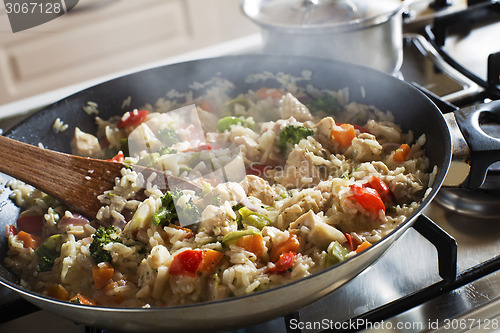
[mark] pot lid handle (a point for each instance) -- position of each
(317, 13)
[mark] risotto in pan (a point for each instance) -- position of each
(260, 190)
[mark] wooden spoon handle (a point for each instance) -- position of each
(76, 181)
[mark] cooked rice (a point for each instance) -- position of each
(307, 193)
(59, 126)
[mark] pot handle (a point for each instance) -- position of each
(484, 149)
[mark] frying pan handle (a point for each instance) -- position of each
(484, 149)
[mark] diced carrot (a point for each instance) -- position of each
(252, 243)
(273, 93)
(343, 134)
(111, 295)
(57, 291)
(402, 153)
(80, 299)
(29, 240)
(363, 246)
(358, 127)
(189, 232)
(211, 260)
(291, 244)
(102, 274)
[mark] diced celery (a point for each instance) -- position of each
(148, 160)
(335, 253)
(254, 219)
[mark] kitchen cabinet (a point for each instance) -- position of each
(99, 38)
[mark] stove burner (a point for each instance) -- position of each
(479, 204)
(460, 24)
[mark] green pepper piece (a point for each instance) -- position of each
(228, 108)
(50, 243)
(233, 236)
(225, 123)
(254, 219)
(336, 253)
(47, 252)
(123, 143)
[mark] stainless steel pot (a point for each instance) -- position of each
(365, 32)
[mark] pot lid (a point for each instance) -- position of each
(314, 14)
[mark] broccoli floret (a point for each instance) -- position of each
(46, 261)
(189, 212)
(168, 136)
(167, 150)
(169, 214)
(291, 135)
(102, 237)
(326, 103)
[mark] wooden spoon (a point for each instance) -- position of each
(73, 180)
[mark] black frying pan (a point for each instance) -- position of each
(412, 109)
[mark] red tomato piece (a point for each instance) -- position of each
(292, 244)
(32, 224)
(133, 118)
(257, 169)
(105, 143)
(350, 241)
(284, 263)
(367, 198)
(202, 147)
(207, 106)
(186, 263)
(272, 93)
(119, 158)
(381, 187)
(10, 230)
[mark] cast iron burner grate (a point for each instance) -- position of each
(477, 13)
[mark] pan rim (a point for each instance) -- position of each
(390, 238)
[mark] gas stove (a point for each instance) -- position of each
(444, 273)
